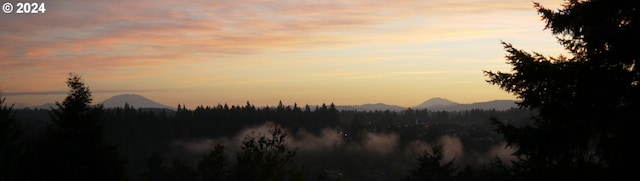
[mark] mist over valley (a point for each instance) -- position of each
(373, 144)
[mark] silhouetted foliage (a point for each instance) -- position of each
(586, 102)
(179, 171)
(156, 168)
(431, 166)
(142, 132)
(266, 158)
(214, 165)
(260, 158)
(73, 146)
(11, 142)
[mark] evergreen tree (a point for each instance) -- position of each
(179, 171)
(266, 158)
(73, 146)
(213, 165)
(260, 158)
(156, 168)
(430, 166)
(586, 102)
(11, 142)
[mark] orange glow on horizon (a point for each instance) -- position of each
(205, 53)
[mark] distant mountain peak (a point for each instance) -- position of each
(436, 102)
(134, 100)
(442, 104)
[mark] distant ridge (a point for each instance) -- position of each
(46, 106)
(436, 104)
(433, 104)
(134, 100)
(371, 107)
(499, 105)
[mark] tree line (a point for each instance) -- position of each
(136, 144)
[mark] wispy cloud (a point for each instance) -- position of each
(33, 93)
(66, 92)
(192, 43)
(123, 33)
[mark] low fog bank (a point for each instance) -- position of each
(365, 154)
(357, 145)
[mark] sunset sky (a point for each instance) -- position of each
(349, 52)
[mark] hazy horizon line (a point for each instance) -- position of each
(24, 104)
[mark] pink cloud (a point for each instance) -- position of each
(106, 36)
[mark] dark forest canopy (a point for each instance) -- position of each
(142, 132)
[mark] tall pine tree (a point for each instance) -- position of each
(586, 102)
(12, 142)
(73, 146)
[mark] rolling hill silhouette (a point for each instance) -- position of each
(437, 104)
